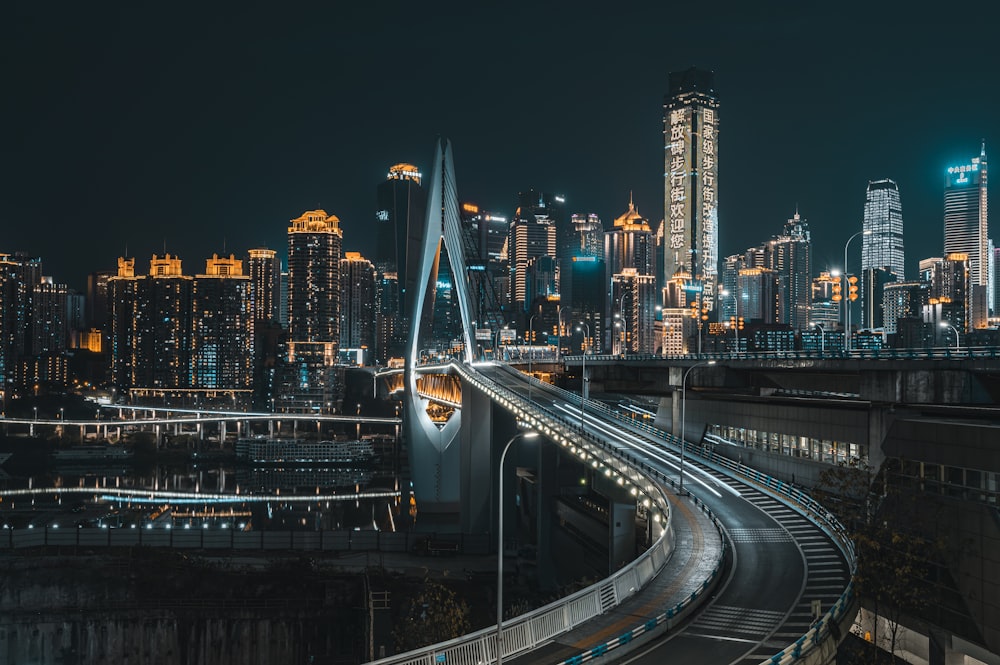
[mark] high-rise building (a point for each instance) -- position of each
(222, 321)
(19, 273)
(587, 240)
(588, 277)
(966, 222)
(882, 242)
(760, 286)
(265, 284)
(824, 309)
(401, 208)
(790, 257)
(629, 254)
(902, 300)
(314, 251)
(873, 283)
(691, 170)
(357, 302)
(150, 326)
(532, 235)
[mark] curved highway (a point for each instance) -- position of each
(781, 562)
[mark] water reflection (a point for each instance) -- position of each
(216, 491)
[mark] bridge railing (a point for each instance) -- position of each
(845, 607)
(528, 631)
(936, 353)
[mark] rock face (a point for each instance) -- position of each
(163, 609)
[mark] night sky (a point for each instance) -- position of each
(205, 127)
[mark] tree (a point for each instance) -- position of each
(896, 549)
(434, 615)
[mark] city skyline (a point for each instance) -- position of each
(156, 132)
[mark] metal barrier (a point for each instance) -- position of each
(938, 353)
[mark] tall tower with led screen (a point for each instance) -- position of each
(691, 184)
(966, 223)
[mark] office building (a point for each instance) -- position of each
(691, 184)
(790, 257)
(761, 288)
(873, 283)
(633, 325)
(902, 300)
(401, 208)
(629, 254)
(966, 222)
(882, 242)
(532, 235)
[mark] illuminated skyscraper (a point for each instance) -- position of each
(314, 252)
(401, 207)
(265, 283)
(629, 251)
(882, 243)
(150, 321)
(790, 257)
(222, 326)
(532, 236)
(357, 302)
(691, 194)
(966, 223)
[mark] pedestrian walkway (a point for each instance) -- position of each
(697, 548)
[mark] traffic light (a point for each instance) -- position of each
(836, 292)
(739, 323)
(732, 321)
(853, 289)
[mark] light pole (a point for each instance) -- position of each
(623, 349)
(503, 455)
(736, 323)
(531, 335)
(583, 371)
(496, 344)
(844, 292)
(822, 339)
(684, 414)
(945, 324)
(559, 346)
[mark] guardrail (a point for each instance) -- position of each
(526, 632)
(340, 540)
(942, 353)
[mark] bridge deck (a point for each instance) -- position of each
(698, 545)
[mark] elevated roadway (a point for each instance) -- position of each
(781, 564)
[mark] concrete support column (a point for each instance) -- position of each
(621, 521)
(222, 433)
(547, 489)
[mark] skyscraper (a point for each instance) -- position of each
(222, 327)
(966, 222)
(401, 207)
(265, 284)
(314, 252)
(532, 236)
(357, 302)
(629, 251)
(150, 321)
(790, 257)
(691, 169)
(882, 242)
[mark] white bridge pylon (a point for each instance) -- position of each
(435, 455)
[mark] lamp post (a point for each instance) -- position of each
(945, 324)
(736, 307)
(684, 414)
(822, 339)
(623, 348)
(559, 345)
(583, 371)
(496, 344)
(503, 455)
(844, 291)
(531, 336)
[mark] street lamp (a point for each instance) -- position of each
(945, 324)
(531, 336)
(684, 414)
(559, 314)
(496, 344)
(623, 349)
(583, 371)
(844, 291)
(822, 339)
(736, 324)
(503, 455)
